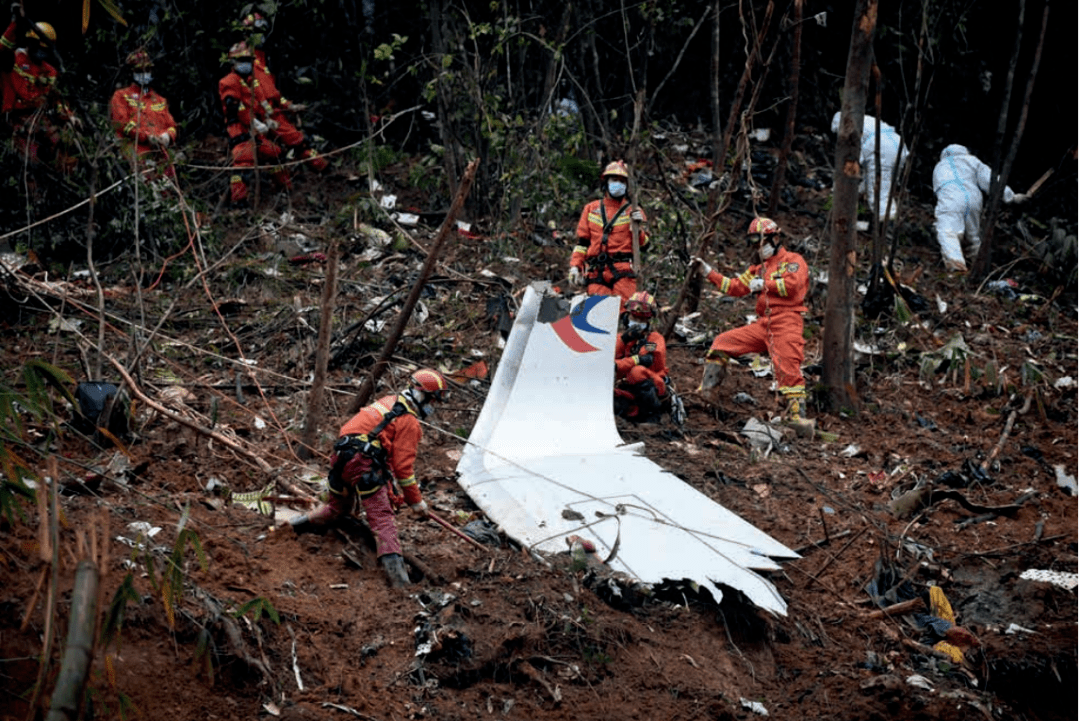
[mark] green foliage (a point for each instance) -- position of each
(257, 606)
(170, 585)
(37, 403)
(114, 616)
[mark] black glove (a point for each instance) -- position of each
(645, 360)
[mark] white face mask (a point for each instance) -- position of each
(636, 328)
(244, 68)
(766, 251)
(616, 188)
(143, 79)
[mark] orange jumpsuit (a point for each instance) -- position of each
(778, 329)
(137, 114)
(605, 249)
(400, 439)
(248, 94)
(630, 373)
(29, 100)
(275, 108)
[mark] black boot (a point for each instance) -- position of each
(395, 570)
(648, 401)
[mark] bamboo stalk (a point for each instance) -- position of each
(79, 651)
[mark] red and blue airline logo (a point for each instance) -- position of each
(568, 328)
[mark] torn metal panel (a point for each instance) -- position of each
(545, 461)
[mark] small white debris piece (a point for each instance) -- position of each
(339, 586)
(1066, 383)
(406, 218)
(463, 226)
(272, 708)
(1058, 578)
(851, 451)
(821, 18)
(920, 682)
(761, 435)
(375, 185)
(1064, 480)
(862, 226)
(755, 706)
(942, 306)
(1014, 629)
(144, 528)
(454, 454)
(260, 424)
(388, 202)
(762, 134)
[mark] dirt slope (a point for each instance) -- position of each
(515, 638)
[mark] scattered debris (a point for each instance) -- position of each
(1063, 579)
(1064, 480)
(755, 706)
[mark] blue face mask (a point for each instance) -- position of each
(616, 188)
(143, 79)
(244, 68)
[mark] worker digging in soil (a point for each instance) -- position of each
(960, 179)
(602, 261)
(640, 362)
(376, 447)
(780, 282)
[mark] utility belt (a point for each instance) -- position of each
(596, 264)
(347, 448)
(238, 139)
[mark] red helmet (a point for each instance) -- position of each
(762, 226)
(241, 50)
(432, 382)
(255, 20)
(139, 60)
(641, 305)
(616, 167)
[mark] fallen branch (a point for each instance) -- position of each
(1008, 429)
(228, 442)
(898, 608)
(446, 524)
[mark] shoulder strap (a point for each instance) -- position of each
(399, 409)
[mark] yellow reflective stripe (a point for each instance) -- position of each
(129, 127)
(793, 390)
(781, 288)
(725, 284)
(746, 277)
(581, 249)
(405, 482)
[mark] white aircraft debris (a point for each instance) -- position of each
(545, 461)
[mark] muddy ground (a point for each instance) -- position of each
(515, 638)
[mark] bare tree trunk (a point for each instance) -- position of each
(322, 356)
(981, 266)
(780, 176)
(364, 394)
(838, 335)
(446, 133)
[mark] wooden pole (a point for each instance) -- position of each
(635, 226)
(366, 390)
(322, 355)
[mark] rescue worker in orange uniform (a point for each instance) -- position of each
(30, 102)
(640, 362)
(376, 446)
(141, 116)
(285, 133)
(247, 124)
(780, 282)
(603, 258)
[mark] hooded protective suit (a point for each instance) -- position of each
(890, 165)
(960, 179)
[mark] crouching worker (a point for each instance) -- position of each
(640, 363)
(780, 282)
(378, 446)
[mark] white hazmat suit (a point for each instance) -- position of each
(960, 179)
(890, 164)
